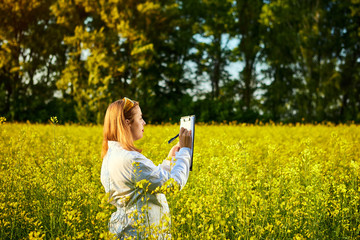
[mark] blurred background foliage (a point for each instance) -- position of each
(233, 60)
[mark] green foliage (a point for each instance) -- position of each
(306, 62)
(30, 58)
(297, 59)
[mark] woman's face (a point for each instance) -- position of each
(137, 126)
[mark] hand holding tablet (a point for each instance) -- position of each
(188, 123)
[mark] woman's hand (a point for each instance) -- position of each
(185, 138)
(184, 141)
(173, 150)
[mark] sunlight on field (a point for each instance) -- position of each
(248, 182)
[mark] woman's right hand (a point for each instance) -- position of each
(185, 138)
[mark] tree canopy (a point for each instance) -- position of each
(231, 60)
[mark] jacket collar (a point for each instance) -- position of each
(113, 144)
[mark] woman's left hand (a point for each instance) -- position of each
(173, 150)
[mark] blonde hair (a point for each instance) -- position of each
(115, 127)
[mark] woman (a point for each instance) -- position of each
(131, 179)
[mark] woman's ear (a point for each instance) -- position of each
(127, 121)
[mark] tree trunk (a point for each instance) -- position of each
(215, 80)
(248, 77)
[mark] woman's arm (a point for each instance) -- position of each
(167, 164)
(156, 176)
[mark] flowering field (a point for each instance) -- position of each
(248, 182)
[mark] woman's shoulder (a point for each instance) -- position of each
(116, 151)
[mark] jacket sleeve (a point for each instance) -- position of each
(166, 165)
(157, 176)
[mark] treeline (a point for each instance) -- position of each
(282, 60)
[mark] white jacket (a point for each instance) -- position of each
(121, 170)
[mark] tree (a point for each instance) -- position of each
(279, 53)
(213, 53)
(248, 31)
(348, 29)
(29, 59)
(132, 49)
(306, 60)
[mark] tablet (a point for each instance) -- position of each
(188, 122)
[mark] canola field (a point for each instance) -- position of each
(248, 182)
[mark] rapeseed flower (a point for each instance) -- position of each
(263, 181)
